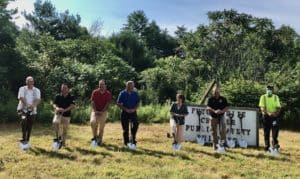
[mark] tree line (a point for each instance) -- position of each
(241, 51)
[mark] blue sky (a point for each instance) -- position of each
(169, 13)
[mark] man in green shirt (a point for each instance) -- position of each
(269, 104)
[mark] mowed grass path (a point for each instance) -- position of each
(153, 159)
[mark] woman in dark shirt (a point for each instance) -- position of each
(178, 112)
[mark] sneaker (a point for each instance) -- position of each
(99, 143)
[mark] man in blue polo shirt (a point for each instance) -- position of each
(128, 101)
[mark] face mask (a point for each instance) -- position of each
(269, 92)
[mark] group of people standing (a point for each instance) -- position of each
(217, 106)
(128, 101)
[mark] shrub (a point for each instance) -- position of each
(8, 111)
(45, 112)
(242, 93)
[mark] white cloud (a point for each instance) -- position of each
(21, 5)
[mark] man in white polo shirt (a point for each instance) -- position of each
(29, 97)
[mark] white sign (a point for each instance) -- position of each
(197, 124)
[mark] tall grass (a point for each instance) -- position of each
(155, 113)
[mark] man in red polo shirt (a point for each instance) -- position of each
(100, 100)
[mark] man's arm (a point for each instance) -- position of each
(262, 104)
(211, 110)
(209, 106)
(70, 107)
(106, 106)
(93, 106)
(120, 103)
(56, 107)
(263, 110)
(122, 107)
(135, 107)
(224, 110)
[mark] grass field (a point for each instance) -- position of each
(153, 159)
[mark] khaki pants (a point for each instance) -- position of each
(214, 122)
(177, 131)
(98, 124)
(61, 124)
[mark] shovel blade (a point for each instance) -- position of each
(24, 146)
(231, 143)
(94, 143)
(201, 140)
(55, 146)
(243, 143)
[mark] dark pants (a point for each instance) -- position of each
(26, 125)
(271, 123)
(125, 119)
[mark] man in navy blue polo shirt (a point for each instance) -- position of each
(128, 101)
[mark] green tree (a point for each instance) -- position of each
(131, 49)
(136, 22)
(173, 74)
(45, 19)
(10, 59)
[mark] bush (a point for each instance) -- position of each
(114, 113)
(242, 93)
(81, 114)
(8, 111)
(154, 113)
(45, 112)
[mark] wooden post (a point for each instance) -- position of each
(211, 85)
